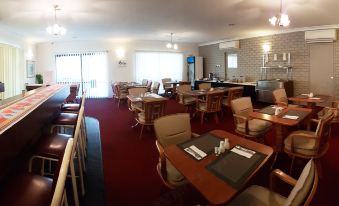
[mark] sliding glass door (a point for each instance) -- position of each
(89, 69)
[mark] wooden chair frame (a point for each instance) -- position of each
(213, 105)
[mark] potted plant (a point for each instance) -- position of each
(39, 79)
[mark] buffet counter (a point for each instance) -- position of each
(23, 120)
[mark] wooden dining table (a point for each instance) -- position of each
(213, 188)
(204, 92)
(310, 101)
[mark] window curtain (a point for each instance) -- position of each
(89, 69)
(158, 65)
(12, 72)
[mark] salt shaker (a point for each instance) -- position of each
(221, 147)
(226, 144)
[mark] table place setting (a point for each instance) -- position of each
(293, 117)
(243, 151)
(195, 152)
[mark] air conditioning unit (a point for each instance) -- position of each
(319, 36)
(229, 45)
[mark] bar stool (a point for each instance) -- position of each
(34, 190)
(52, 147)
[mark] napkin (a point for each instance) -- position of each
(195, 152)
(243, 151)
(290, 117)
(314, 98)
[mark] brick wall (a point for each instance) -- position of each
(250, 59)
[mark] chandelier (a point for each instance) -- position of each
(170, 45)
(56, 29)
(281, 19)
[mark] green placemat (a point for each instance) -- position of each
(205, 142)
(234, 168)
(300, 114)
(268, 110)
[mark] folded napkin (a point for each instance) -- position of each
(314, 98)
(243, 151)
(290, 117)
(195, 152)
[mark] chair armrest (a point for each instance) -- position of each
(282, 176)
(160, 148)
(236, 116)
(242, 119)
(195, 135)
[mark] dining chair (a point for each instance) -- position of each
(308, 144)
(302, 193)
(254, 129)
(167, 87)
(137, 91)
(149, 85)
(151, 110)
(205, 86)
(212, 104)
(144, 82)
(121, 94)
(183, 99)
(155, 87)
(335, 108)
(280, 98)
(178, 132)
(233, 93)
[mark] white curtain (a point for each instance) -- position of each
(158, 65)
(89, 69)
(12, 71)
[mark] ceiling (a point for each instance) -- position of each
(190, 20)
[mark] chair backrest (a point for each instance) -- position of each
(154, 109)
(155, 87)
(234, 93)
(242, 106)
(305, 188)
(61, 180)
(323, 130)
(179, 131)
(149, 85)
(184, 88)
(280, 96)
(184, 82)
(144, 82)
(214, 101)
(166, 84)
(205, 86)
(137, 91)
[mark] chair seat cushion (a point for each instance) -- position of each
(186, 100)
(66, 119)
(305, 146)
(136, 105)
(258, 196)
(141, 117)
(173, 175)
(202, 106)
(27, 189)
(52, 146)
(256, 127)
(70, 107)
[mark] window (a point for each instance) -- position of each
(232, 61)
(158, 65)
(89, 69)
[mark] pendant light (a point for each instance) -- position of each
(56, 29)
(281, 19)
(170, 45)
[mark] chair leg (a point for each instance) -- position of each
(319, 168)
(292, 163)
(142, 128)
(202, 114)
(81, 176)
(216, 118)
(74, 183)
(119, 103)
(65, 200)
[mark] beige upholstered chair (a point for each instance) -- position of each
(233, 93)
(137, 91)
(155, 87)
(205, 86)
(167, 87)
(280, 98)
(212, 104)
(302, 193)
(120, 93)
(254, 129)
(308, 144)
(183, 99)
(152, 110)
(144, 82)
(334, 108)
(178, 132)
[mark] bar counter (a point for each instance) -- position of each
(23, 120)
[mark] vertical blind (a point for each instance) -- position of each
(12, 70)
(158, 65)
(89, 69)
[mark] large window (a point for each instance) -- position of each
(158, 65)
(232, 61)
(89, 69)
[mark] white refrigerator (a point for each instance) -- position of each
(194, 68)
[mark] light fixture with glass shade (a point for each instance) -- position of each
(170, 45)
(56, 29)
(281, 19)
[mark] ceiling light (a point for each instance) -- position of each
(170, 45)
(56, 29)
(281, 19)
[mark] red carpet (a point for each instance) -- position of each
(130, 164)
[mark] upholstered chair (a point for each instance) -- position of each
(155, 87)
(309, 144)
(178, 132)
(302, 193)
(183, 99)
(137, 91)
(149, 85)
(334, 108)
(254, 129)
(212, 104)
(144, 82)
(280, 98)
(167, 87)
(205, 86)
(120, 94)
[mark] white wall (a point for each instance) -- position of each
(46, 52)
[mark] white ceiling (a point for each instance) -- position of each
(191, 20)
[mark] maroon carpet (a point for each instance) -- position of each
(130, 164)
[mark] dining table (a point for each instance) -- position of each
(311, 102)
(145, 97)
(204, 92)
(219, 178)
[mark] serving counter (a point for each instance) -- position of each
(23, 120)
